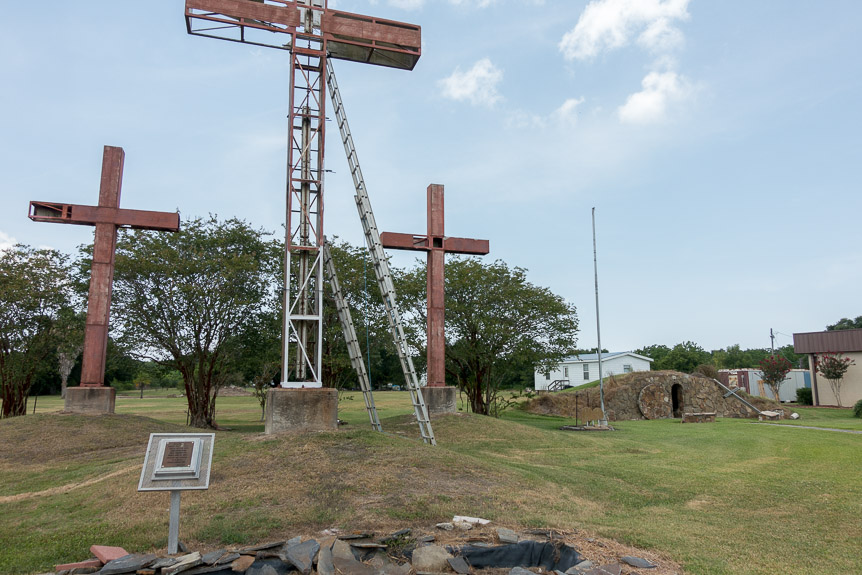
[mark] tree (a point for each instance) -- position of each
(775, 369)
(655, 352)
(34, 288)
(845, 323)
(684, 357)
(833, 366)
(496, 322)
(181, 299)
(70, 343)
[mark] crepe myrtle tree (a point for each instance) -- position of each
(34, 291)
(833, 366)
(775, 369)
(496, 323)
(183, 299)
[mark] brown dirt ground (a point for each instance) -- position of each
(318, 480)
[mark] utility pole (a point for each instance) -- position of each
(772, 338)
(598, 323)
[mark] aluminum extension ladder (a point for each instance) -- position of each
(350, 336)
(379, 261)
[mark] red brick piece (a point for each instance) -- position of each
(106, 553)
(79, 565)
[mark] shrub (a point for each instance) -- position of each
(707, 370)
(857, 409)
(804, 396)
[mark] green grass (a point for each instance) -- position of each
(724, 498)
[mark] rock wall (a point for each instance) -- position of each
(650, 395)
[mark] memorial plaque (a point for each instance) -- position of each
(177, 461)
(178, 454)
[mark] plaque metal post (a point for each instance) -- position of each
(174, 527)
(176, 462)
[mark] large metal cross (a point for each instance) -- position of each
(107, 217)
(437, 245)
(312, 33)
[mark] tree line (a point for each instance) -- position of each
(689, 357)
(202, 307)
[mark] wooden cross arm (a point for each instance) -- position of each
(53, 212)
(349, 36)
(420, 244)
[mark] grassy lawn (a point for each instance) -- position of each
(723, 498)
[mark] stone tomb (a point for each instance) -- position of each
(653, 395)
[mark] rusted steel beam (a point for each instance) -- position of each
(107, 217)
(436, 245)
(91, 215)
(349, 36)
(398, 241)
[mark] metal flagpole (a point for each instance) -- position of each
(598, 324)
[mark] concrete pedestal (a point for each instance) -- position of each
(440, 400)
(90, 400)
(301, 410)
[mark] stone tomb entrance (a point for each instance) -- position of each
(678, 400)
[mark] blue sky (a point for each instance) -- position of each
(718, 141)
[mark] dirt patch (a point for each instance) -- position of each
(68, 487)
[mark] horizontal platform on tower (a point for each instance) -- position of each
(272, 23)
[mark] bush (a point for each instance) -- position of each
(707, 370)
(857, 409)
(803, 396)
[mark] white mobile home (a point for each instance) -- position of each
(580, 369)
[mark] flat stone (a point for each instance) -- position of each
(294, 541)
(446, 526)
(349, 536)
(426, 539)
(163, 562)
(82, 571)
(302, 555)
(507, 535)
(97, 564)
(612, 569)
(104, 553)
(251, 550)
(460, 565)
(183, 563)
(366, 545)
(264, 569)
(324, 561)
(581, 567)
(430, 558)
(228, 558)
(638, 562)
(344, 561)
(207, 570)
(463, 526)
(242, 563)
(521, 571)
(212, 557)
(127, 564)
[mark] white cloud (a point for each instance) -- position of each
(611, 24)
(650, 104)
(476, 3)
(407, 4)
(6, 241)
(478, 85)
(568, 112)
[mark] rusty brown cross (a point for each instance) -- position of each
(437, 245)
(107, 217)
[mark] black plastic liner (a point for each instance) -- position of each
(547, 555)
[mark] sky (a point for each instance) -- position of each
(719, 143)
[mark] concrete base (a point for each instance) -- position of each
(90, 400)
(440, 400)
(301, 410)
